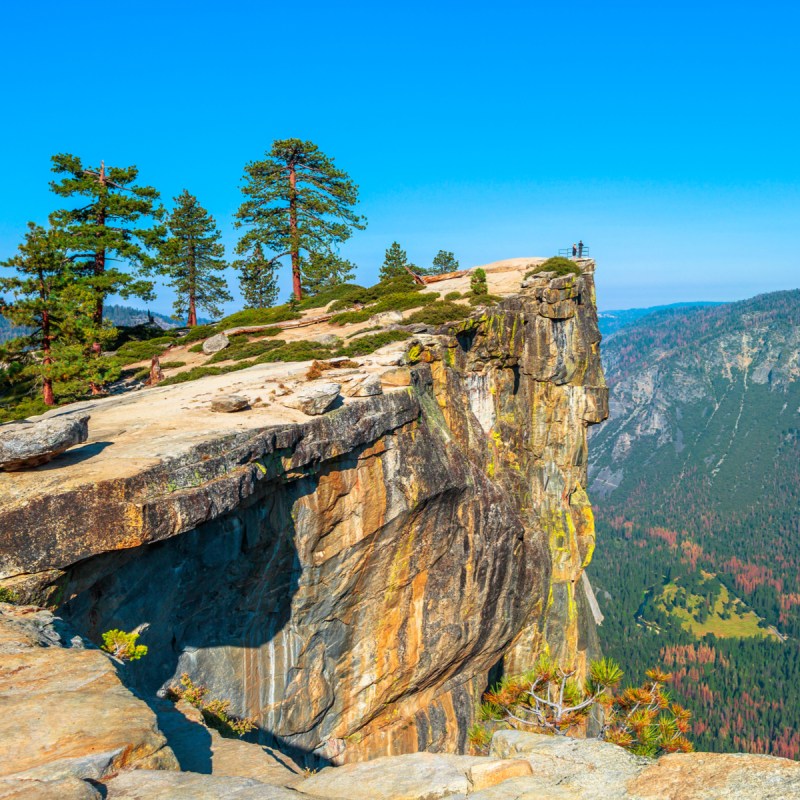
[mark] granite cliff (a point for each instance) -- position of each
(349, 579)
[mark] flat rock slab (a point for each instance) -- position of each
(229, 403)
(64, 789)
(24, 445)
(314, 398)
(416, 776)
(158, 785)
(215, 343)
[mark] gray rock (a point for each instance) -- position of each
(314, 398)
(215, 344)
(228, 403)
(28, 444)
(363, 386)
(64, 789)
(326, 338)
(386, 318)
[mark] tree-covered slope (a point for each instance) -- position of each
(697, 469)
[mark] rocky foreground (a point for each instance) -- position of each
(71, 731)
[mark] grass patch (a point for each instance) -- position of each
(346, 293)
(202, 372)
(484, 299)
(241, 350)
(438, 313)
(296, 351)
(453, 296)
(392, 301)
(558, 264)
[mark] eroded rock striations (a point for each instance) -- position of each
(350, 579)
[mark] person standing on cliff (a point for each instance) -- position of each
(580, 249)
(574, 249)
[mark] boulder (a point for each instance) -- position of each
(416, 776)
(65, 712)
(313, 398)
(215, 343)
(229, 403)
(397, 377)
(64, 789)
(386, 318)
(28, 444)
(330, 339)
(363, 386)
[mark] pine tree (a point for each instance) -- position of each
(112, 225)
(444, 262)
(257, 279)
(394, 262)
(296, 201)
(324, 270)
(192, 255)
(56, 306)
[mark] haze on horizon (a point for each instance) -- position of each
(665, 139)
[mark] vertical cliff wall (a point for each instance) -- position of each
(350, 580)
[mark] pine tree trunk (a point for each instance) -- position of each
(47, 384)
(192, 321)
(297, 287)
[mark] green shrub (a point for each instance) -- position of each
(172, 364)
(352, 317)
(392, 301)
(196, 348)
(438, 313)
(263, 334)
(453, 296)
(296, 351)
(245, 349)
(477, 283)
(558, 264)
(346, 293)
(258, 316)
(483, 299)
(22, 408)
(8, 595)
(197, 333)
(365, 345)
(203, 371)
(134, 351)
(216, 713)
(123, 645)
(365, 330)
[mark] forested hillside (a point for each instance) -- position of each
(696, 483)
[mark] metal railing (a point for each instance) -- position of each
(580, 252)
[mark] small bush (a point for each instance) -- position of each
(484, 299)
(438, 313)
(198, 332)
(352, 317)
(8, 595)
(453, 296)
(558, 264)
(203, 371)
(477, 283)
(365, 330)
(296, 351)
(258, 316)
(347, 293)
(196, 348)
(133, 351)
(365, 345)
(393, 301)
(172, 364)
(216, 713)
(123, 645)
(239, 350)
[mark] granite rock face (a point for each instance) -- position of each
(29, 444)
(351, 579)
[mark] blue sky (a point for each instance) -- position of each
(663, 134)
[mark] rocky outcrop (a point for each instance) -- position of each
(24, 445)
(348, 579)
(66, 716)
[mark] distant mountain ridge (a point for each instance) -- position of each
(119, 315)
(612, 321)
(697, 473)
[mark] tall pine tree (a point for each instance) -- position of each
(112, 222)
(296, 201)
(258, 281)
(443, 262)
(193, 255)
(55, 305)
(324, 270)
(394, 262)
